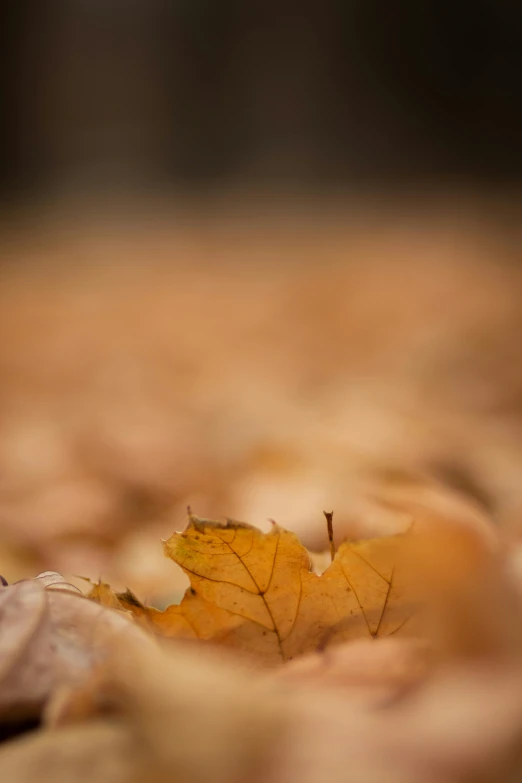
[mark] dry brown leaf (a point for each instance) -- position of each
(256, 592)
(381, 669)
(99, 752)
(172, 701)
(51, 637)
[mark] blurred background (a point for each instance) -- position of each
(262, 258)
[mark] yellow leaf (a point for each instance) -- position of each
(103, 594)
(256, 592)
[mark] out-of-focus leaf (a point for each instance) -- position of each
(52, 580)
(51, 637)
(99, 752)
(103, 594)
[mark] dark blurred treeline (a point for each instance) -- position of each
(199, 92)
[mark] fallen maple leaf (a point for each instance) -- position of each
(256, 592)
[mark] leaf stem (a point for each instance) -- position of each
(329, 525)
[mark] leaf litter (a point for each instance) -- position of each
(365, 692)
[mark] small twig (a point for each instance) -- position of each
(329, 524)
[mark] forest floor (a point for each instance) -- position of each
(258, 366)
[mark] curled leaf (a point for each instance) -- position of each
(48, 638)
(52, 580)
